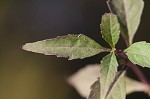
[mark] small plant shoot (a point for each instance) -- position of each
(111, 82)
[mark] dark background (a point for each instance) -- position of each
(26, 75)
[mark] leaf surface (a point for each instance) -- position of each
(129, 14)
(72, 46)
(118, 90)
(81, 82)
(138, 53)
(110, 29)
(108, 69)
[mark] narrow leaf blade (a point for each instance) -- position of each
(110, 29)
(129, 13)
(118, 90)
(72, 46)
(108, 69)
(138, 53)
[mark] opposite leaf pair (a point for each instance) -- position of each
(111, 82)
(129, 14)
(109, 79)
(81, 46)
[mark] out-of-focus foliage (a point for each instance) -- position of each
(129, 14)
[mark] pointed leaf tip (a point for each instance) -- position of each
(70, 46)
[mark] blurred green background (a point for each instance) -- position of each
(26, 75)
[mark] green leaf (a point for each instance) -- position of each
(118, 90)
(129, 13)
(110, 29)
(138, 53)
(81, 82)
(72, 46)
(108, 69)
(136, 86)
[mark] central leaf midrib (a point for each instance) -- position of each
(110, 30)
(78, 47)
(109, 72)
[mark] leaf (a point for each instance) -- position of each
(118, 90)
(129, 13)
(72, 46)
(95, 91)
(108, 69)
(81, 82)
(136, 86)
(138, 53)
(110, 29)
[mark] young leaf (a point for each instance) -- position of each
(108, 69)
(129, 14)
(110, 29)
(138, 53)
(118, 90)
(72, 46)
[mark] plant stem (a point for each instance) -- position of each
(138, 72)
(135, 69)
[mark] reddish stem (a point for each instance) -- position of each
(138, 72)
(135, 69)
